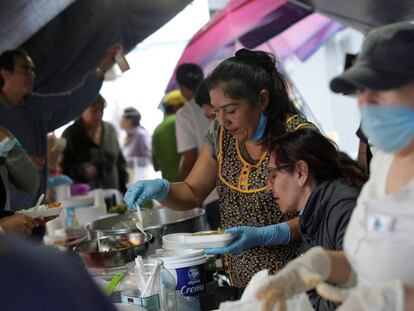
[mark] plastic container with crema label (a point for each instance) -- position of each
(188, 268)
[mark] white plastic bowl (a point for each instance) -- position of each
(188, 240)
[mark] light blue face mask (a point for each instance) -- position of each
(260, 129)
(6, 145)
(388, 127)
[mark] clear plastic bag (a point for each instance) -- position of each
(163, 285)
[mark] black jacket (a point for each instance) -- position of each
(324, 221)
(106, 157)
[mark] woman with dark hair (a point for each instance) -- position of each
(378, 244)
(92, 154)
(305, 175)
(251, 104)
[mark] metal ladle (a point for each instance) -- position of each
(139, 223)
(140, 227)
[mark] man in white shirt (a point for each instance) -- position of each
(190, 128)
(191, 124)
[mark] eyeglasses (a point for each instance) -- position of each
(271, 172)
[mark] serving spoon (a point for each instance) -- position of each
(139, 223)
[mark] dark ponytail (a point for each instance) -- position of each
(319, 153)
(351, 171)
(245, 75)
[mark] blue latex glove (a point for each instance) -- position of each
(6, 145)
(250, 237)
(144, 190)
(60, 180)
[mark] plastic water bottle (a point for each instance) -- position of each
(72, 227)
(71, 220)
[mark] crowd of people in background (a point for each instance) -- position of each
(234, 143)
(89, 154)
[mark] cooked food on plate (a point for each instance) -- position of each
(212, 232)
(54, 204)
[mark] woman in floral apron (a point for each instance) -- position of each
(251, 103)
(245, 201)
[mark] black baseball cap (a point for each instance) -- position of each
(386, 60)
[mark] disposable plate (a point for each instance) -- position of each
(41, 211)
(189, 240)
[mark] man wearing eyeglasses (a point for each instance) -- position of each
(30, 116)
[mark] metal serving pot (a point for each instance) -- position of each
(120, 224)
(158, 221)
(114, 250)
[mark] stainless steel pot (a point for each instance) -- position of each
(158, 221)
(114, 250)
(174, 221)
(157, 218)
(119, 224)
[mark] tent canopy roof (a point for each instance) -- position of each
(66, 38)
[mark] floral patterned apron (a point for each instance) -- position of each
(244, 201)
